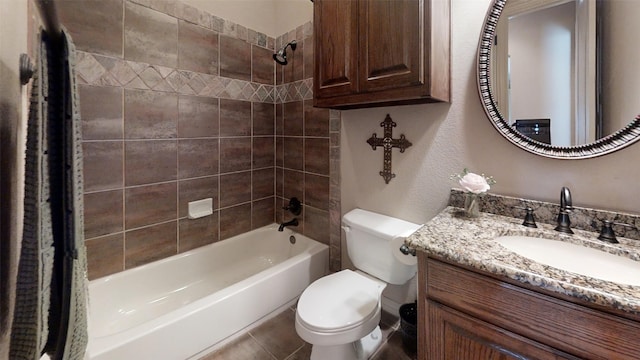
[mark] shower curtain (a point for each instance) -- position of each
(50, 310)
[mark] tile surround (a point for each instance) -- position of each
(197, 48)
(150, 36)
(139, 154)
(263, 115)
(102, 164)
(235, 154)
(161, 128)
(102, 112)
(197, 157)
(103, 213)
(194, 233)
(262, 65)
(235, 118)
(149, 244)
(293, 122)
(235, 220)
(294, 71)
(293, 153)
(316, 190)
(235, 188)
(316, 120)
(88, 21)
(105, 254)
(262, 183)
(150, 114)
(150, 204)
(235, 58)
(314, 162)
(196, 189)
(198, 116)
(263, 212)
(263, 152)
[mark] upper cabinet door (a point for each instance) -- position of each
(392, 41)
(336, 46)
(381, 52)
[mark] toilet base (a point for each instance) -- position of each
(358, 350)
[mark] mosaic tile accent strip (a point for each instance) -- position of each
(294, 91)
(93, 69)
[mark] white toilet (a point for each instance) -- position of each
(339, 314)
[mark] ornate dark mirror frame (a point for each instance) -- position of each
(608, 144)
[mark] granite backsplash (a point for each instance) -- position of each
(545, 212)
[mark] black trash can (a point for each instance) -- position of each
(409, 327)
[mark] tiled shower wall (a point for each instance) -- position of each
(307, 147)
(179, 105)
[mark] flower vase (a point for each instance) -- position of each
(472, 205)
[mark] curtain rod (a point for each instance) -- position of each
(49, 15)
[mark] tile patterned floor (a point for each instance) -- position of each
(277, 339)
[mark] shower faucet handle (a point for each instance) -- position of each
(295, 207)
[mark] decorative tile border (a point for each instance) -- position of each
(581, 218)
(93, 69)
(301, 89)
(196, 16)
(295, 91)
(335, 217)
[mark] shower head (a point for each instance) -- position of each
(281, 56)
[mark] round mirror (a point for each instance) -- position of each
(559, 78)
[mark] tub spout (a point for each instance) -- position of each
(293, 222)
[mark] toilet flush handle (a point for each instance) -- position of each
(407, 250)
(346, 228)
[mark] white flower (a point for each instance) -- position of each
(474, 183)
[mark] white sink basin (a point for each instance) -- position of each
(575, 258)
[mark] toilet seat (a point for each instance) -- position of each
(339, 302)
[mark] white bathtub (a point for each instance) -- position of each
(177, 307)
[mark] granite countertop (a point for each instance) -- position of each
(469, 242)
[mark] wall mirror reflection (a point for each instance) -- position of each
(560, 79)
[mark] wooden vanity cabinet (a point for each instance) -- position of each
(381, 52)
(465, 314)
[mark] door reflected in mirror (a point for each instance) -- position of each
(564, 72)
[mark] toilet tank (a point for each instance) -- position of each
(373, 243)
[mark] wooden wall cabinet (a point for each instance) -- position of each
(381, 52)
(468, 315)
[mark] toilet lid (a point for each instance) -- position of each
(339, 301)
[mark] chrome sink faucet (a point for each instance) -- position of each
(564, 223)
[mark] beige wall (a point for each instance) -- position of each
(619, 87)
(448, 137)
(13, 35)
(291, 14)
(272, 17)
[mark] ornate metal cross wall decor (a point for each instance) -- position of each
(388, 142)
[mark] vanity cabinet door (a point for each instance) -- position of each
(336, 48)
(381, 52)
(467, 310)
(452, 335)
(390, 44)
